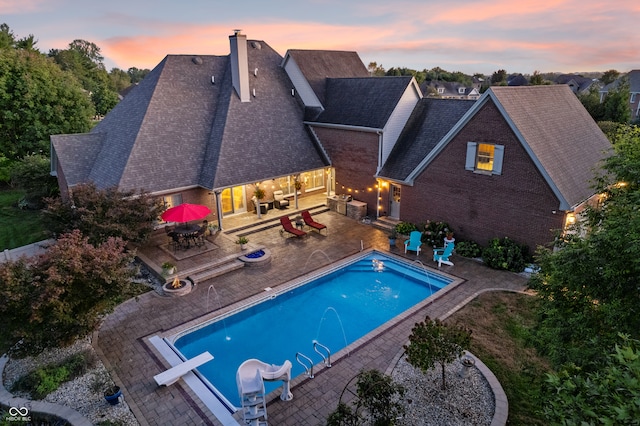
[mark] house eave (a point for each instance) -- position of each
(344, 127)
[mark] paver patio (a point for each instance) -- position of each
(121, 340)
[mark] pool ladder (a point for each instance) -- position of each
(307, 363)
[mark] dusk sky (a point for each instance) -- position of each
(471, 36)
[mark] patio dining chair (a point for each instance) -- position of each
(177, 243)
(198, 238)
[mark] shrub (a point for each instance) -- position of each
(44, 380)
(405, 228)
(504, 253)
(468, 249)
(434, 233)
(377, 402)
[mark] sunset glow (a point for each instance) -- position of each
(468, 35)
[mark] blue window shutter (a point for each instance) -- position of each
(470, 163)
(498, 154)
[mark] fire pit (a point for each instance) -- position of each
(177, 287)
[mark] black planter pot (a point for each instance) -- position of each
(112, 395)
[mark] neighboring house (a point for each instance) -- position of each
(633, 78)
(517, 80)
(577, 83)
(450, 90)
(208, 129)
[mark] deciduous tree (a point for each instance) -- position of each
(62, 294)
(37, 100)
(103, 213)
(589, 289)
(433, 342)
(609, 396)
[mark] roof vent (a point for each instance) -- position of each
(197, 60)
(255, 72)
(256, 45)
(213, 79)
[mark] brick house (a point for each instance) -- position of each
(208, 129)
(517, 163)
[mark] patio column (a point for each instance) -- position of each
(296, 187)
(219, 208)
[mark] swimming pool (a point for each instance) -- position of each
(334, 309)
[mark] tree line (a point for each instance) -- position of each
(42, 94)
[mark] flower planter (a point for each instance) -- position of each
(112, 395)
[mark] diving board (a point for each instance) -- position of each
(173, 374)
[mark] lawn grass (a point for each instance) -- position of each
(500, 324)
(18, 227)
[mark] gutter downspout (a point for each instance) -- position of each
(378, 200)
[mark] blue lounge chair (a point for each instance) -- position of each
(414, 242)
(441, 255)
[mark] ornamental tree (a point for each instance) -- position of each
(61, 295)
(103, 213)
(433, 342)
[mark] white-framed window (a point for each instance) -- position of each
(441, 90)
(461, 90)
(170, 201)
(633, 98)
(484, 158)
(313, 180)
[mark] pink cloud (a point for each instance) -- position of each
(147, 51)
(12, 7)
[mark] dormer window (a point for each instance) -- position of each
(441, 90)
(461, 90)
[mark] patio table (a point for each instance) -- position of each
(187, 233)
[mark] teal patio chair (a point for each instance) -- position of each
(441, 255)
(414, 242)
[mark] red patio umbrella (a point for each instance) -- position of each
(185, 213)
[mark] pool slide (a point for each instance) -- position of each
(250, 379)
(252, 372)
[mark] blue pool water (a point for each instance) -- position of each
(334, 310)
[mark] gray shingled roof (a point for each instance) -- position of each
(429, 122)
(565, 141)
(632, 77)
(176, 129)
(77, 154)
(318, 65)
(364, 102)
(262, 138)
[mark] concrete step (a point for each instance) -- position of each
(216, 271)
(385, 223)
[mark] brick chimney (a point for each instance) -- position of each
(240, 65)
